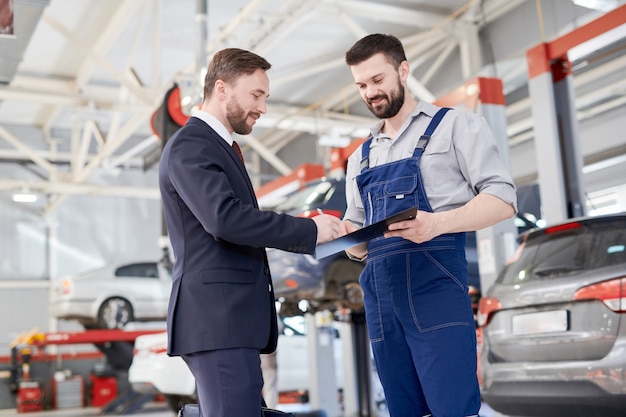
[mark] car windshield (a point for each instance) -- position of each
(312, 194)
(140, 270)
(566, 254)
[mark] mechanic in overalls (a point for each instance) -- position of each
(417, 308)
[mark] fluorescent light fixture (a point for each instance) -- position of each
(334, 141)
(603, 5)
(601, 41)
(24, 197)
(606, 163)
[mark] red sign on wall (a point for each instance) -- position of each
(6, 17)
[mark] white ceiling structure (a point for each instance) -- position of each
(81, 79)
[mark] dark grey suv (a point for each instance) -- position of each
(553, 323)
(325, 284)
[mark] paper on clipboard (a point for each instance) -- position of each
(362, 235)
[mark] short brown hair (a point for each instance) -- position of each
(231, 63)
(370, 45)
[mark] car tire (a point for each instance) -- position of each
(115, 313)
(342, 284)
(353, 296)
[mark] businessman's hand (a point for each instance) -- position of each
(328, 227)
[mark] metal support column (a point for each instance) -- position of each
(363, 360)
(357, 370)
(350, 381)
(323, 391)
(559, 159)
(495, 244)
(556, 126)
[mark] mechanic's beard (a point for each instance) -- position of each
(395, 100)
(238, 118)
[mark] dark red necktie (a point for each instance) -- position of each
(238, 150)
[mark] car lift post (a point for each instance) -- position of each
(323, 391)
(357, 370)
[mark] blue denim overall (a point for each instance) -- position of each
(417, 308)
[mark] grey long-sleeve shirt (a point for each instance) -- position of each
(461, 160)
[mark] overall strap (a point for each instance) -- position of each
(421, 143)
(365, 154)
(423, 140)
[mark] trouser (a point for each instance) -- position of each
(422, 334)
(228, 382)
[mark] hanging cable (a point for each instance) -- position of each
(488, 44)
(540, 18)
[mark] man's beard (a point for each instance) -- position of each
(394, 103)
(237, 117)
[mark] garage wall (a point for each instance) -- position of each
(91, 231)
(599, 134)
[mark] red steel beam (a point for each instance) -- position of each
(88, 336)
(540, 57)
(481, 89)
(610, 20)
(302, 174)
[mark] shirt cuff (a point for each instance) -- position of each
(355, 258)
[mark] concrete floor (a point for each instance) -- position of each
(150, 410)
(161, 410)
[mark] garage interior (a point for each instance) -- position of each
(83, 87)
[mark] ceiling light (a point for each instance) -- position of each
(603, 5)
(334, 140)
(24, 196)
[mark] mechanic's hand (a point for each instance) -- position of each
(422, 228)
(328, 227)
(358, 252)
(350, 227)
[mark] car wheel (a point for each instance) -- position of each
(353, 296)
(342, 284)
(115, 313)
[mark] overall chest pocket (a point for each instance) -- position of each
(399, 194)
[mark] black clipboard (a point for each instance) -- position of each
(362, 235)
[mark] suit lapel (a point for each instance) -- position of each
(242, 169)
(234, 158)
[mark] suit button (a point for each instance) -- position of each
(266, 270)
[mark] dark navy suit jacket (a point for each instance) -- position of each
(222, 295)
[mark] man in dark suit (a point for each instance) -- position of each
(221, 312)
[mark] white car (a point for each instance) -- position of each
(113, 296)
(153, 371)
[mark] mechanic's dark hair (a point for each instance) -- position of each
(229, 64)
(373, 44)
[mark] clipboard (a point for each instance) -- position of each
(362, 235)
